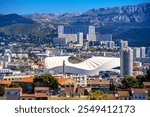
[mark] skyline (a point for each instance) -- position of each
(59, 6)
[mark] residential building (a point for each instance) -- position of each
(27, 96)
(67, 87)
(111, 44)
(98, 84)
(136, 52)
(123, 95)
(123, 44)
(13, 93)
(26, 84)
(139, 94)
(80, 39)
(146, 85)
(5, 83)
(41, 93)
(142, 52)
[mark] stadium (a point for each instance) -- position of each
(73, 65)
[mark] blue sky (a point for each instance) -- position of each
(59, 6)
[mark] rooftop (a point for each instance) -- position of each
(26, 80)
(13, 89)
(66, 81)
(4, 82)
(27, 95)
(41, 95)
(123, 93)
(139, 91)
(146, 83)
(97, 81)
(41, 88)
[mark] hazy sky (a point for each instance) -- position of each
(59, 6)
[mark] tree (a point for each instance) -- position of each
(148, 75)
(98, 95)
(130, 82)
(141, 79)
(14, 85)
(46, 80)
(2, 91)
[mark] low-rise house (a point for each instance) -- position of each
(27, 97)
(111, 97)
(41, 93)
(139, 94)
(98, 84)
(123, 95)
(13, 93)
(15, 78)
(26, 84)
(146, 85)
(4, 83)
(67, 87)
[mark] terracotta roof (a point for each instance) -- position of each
(62, 80)
(41, 88)
(25, 80)
(139, 91)
(26, 76)
(111, 97)
(27, 95)
(41, 95)
(97, 81)
(13, 89)
(146, 83)
(123, 93)
(65, 81)
(5, 82)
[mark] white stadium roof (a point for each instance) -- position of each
(91, 66)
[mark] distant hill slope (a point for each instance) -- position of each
(130, 22)
(14, 19)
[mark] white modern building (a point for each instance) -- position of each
(142, 52)
(123, 44)
(91, 66)
(136, 52)
(111, 44)
(80, 38)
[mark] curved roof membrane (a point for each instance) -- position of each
(91, 66)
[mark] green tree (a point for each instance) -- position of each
(14, 85)
(2, 91)
(148, 75)
(98, 95)
(46, 80)
(140, 79)
(129, 82)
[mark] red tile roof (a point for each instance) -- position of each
(27, 95)
(41, 95)
(65, 81)
(139, 91)
(146, 83)
(41, 88)
(97, 81)
(5, 82)
(25, 80)
(123, 93)
(13, 89)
